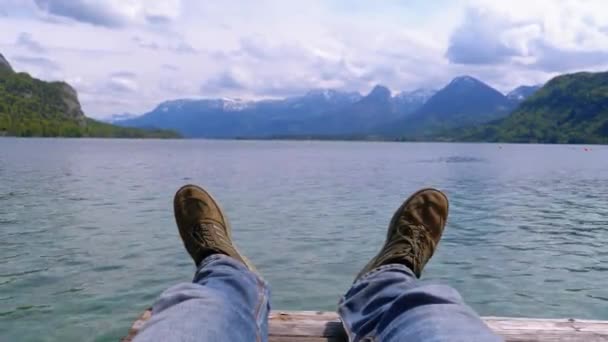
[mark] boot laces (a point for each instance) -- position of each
(210, 235)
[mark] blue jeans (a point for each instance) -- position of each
(227, 302)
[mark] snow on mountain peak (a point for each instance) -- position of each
(418, 95)
(235, 105)
(171, 104)
(327, 94)
(464, 80)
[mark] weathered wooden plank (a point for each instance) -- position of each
(311, 326)
(305, 323)
(137, 325)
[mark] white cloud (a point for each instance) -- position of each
(532, 31)
(484, 38)
(37, 62)
(27, 41)
(122, 82)
(129, 55)
(531, 40)
(112, 13)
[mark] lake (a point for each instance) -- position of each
(88, 239)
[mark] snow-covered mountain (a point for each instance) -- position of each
(329, 112)
(119, 117)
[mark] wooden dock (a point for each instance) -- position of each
(311, 326)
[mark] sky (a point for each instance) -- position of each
(127, 56)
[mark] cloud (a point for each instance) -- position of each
(39, 62)
(555, 59)
(16, 8)
(120, 85)
(25, 40)
(158, 19)
(178, 46)
(169, 67)
(480, 39)
(264, 66)
(110, 88)
(272, 82)
(257, 48)
(121, 82)
(224, 81)
(96, 13)
(548, 36)
(124, 74)
(261, 48)
(153, 50)
(145, 44)
(183, 48)
(113, 13)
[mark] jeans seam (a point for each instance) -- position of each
(349, 333)
(372, 335)
(260, 289)
(347, 330)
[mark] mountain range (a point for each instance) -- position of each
(332, 113)
(571, 108)
(465, 101)
(31, 107)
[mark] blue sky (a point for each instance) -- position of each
(129, 55)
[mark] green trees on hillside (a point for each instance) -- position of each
(570, 109)
(30, 126)
(33, 108)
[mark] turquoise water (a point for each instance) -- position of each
(87, 237)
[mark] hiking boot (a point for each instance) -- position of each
(414, 232)
(203, 225)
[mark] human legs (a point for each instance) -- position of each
(388, 303)
(227, 300)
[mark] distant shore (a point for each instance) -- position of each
(310, 138)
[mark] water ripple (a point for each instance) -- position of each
(17, 274)
(88, 224)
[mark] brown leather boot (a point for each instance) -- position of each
(203, 225)
(414, 232)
